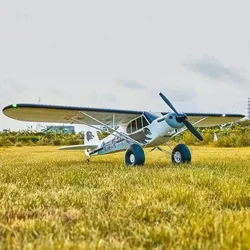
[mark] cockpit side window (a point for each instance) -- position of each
(137, 124)
(144, 122)
(128, 130)
(133, 125)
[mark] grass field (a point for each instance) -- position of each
(54, 200)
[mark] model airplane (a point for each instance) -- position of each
(136, 129)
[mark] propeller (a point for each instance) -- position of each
(182, 118)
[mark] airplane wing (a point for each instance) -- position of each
(202, 120)
(68, 114)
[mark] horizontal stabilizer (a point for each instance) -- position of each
(78, 147)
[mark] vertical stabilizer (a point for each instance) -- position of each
(91, 137)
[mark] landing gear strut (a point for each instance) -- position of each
(87, 153)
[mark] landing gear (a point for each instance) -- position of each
(181, 154)
(87, 153)
(135, 156)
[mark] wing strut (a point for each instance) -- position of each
(120, 135)
(112, 129)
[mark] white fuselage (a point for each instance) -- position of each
(156, 133)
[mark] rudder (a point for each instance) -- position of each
(91, 137)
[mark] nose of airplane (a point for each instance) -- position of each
(182, 118)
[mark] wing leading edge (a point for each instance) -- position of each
(211, 119)
(69, 114)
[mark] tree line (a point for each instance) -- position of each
(229, 135)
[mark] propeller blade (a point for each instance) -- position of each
(165, 99)
(193, 130)
(181, 118)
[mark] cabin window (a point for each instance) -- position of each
(139, 123)
(133, 126)
(144, 122)
(129, 128)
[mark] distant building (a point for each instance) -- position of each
(5, 130)
(59, 129)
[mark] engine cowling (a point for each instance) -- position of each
(172, 121)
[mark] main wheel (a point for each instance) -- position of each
(135, 156)
(181, 154)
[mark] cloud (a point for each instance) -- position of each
(101, 100)
(109, 98)
(11, 91)
(176, 94)
(12, 85)
(130, 84)
(215, 70)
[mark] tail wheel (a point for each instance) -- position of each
(181, 154)
(135, 156)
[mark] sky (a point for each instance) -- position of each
(121, 54)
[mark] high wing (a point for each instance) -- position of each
(68, 114)
(202, 120)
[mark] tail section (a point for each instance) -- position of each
(91, 142)
(91, 137)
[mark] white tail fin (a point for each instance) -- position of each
(91, 141)
(91, 137)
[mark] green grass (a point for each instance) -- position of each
(52, 199)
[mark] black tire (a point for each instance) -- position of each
(135, 156)
(181, 154)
